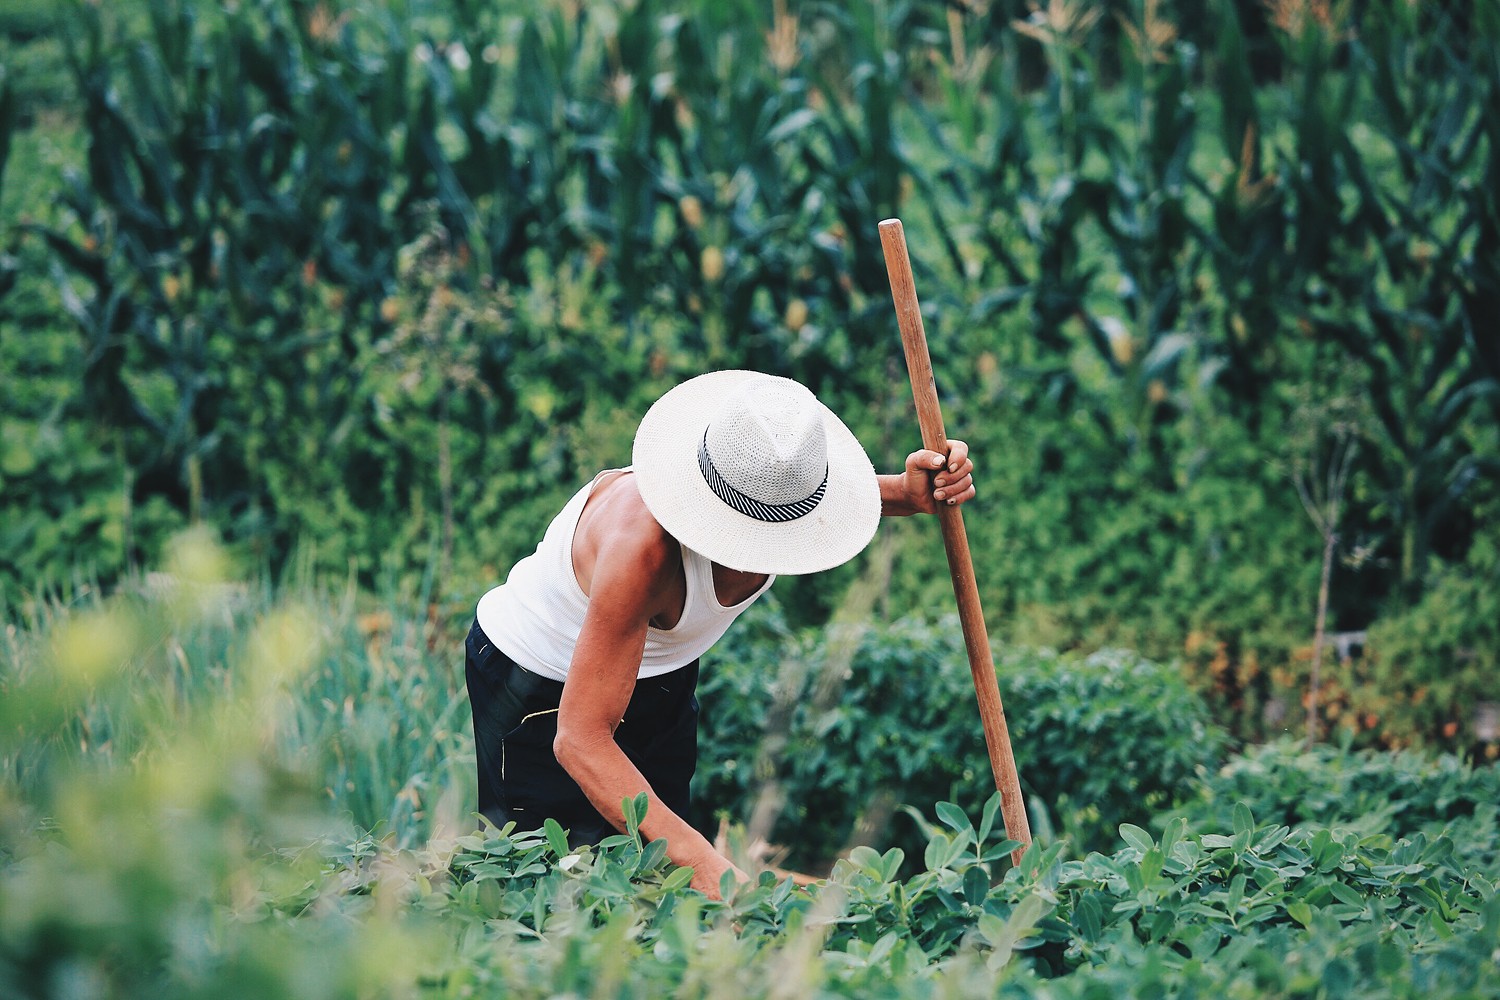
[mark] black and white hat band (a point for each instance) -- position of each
(772, 513)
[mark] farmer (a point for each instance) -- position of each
(581, 667)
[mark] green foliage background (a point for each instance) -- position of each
(372, 287)
(364, 290)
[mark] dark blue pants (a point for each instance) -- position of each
(515, 722)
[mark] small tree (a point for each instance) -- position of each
(433, 350)
(1326, 435)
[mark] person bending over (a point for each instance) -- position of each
(581, 667)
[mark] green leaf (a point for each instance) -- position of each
(1244, 822)
(728, 883)
(1236, 893)
(940, 851)
(976, 885)
(1175, 830)
(1271, 839)
(1003, 935)
(864, 856)
(654, 854)
(1088, 918)
(954, 817)
(677, 878)
(1002, 849)
(882, 949)
(635, 812)
(987, 818)
(557, 838)
(1136, 837)
(1345, 894)
(793, 123)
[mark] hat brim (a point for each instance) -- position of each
(665, 461)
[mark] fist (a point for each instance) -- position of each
(933, 480)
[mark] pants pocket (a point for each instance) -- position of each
(533, 785)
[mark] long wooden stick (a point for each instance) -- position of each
(956, 540)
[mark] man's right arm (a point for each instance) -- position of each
(628, 576)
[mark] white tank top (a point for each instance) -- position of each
(536, 615)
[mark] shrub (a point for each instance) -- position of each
(1431, 668)
(860, 719)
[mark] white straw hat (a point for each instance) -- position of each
(753, 472)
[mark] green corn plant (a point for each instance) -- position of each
(186, 181)
(1481, 293)
(1003, 178)
(1063, 29)
(1385, 267)
(520, 100)
(1072, 193)
(638, 144)
(740, 236)
(1148, 232)
(252, 172)
(1245, 234)
(7, 123)
(863, 85)
(7, 131)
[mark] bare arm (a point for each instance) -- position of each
(929, 481)
(629, 574)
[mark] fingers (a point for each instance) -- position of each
(958, 454)
(951, 476)
(955, 483)
(923, 460)
(957, 460)
(952, 488)
(958, 468)
(960, 492)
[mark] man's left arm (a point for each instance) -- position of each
(929, 481)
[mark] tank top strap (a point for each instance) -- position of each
(698, 573)
(536, 616)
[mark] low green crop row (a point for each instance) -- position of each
(1256, 910)
(1246, 911)
(814, 738)
(209, 790)
(1364, 792)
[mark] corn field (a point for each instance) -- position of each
(369, 286)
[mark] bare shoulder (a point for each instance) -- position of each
(618, 536)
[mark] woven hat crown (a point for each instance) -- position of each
(768, 441)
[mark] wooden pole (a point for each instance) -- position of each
(956, 540)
